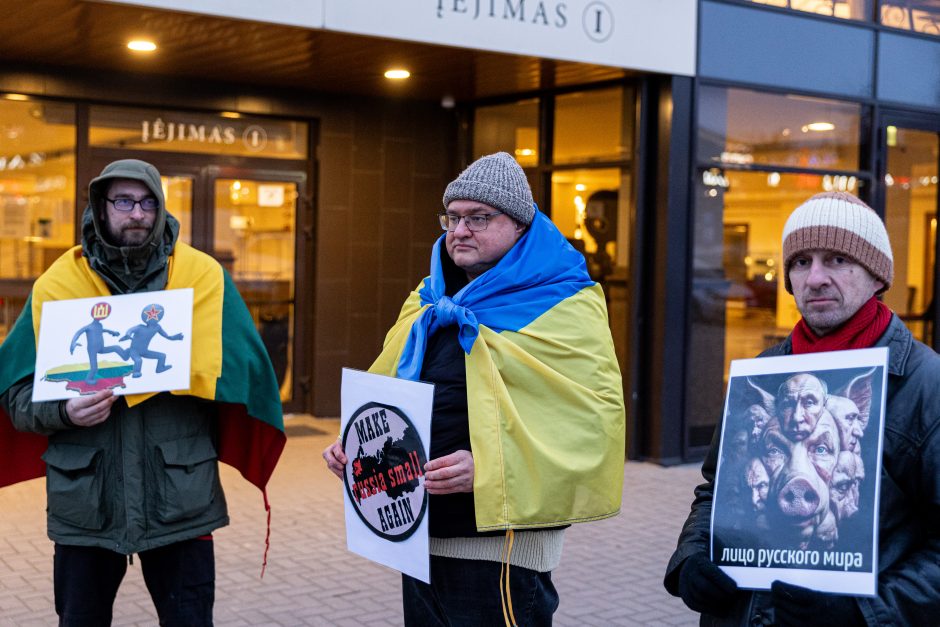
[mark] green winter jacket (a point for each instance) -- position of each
(147, 476)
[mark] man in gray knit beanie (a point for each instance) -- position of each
(517, 438)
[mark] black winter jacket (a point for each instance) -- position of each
(909, 520)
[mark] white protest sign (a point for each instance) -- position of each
(386, 431)
(799, 467)
(132, 343)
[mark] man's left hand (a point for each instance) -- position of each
(449, 474)
(794, 605)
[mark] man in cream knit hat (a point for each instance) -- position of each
(527, 427)
(837, 259)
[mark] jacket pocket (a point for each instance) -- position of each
(190, 474)
(74, 484)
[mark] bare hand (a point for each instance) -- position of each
(335, 458)
(87, 411)
(449, 474)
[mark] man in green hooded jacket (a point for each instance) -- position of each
(129, 477)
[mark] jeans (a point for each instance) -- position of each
(465, 593)
(180, 578)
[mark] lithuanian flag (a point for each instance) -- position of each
(544, 390)
(229, 364)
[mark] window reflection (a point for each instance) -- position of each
(921, 16)
(255, 233)
(739, 305)
(845, 9)
(589, 126)
(742, 127)
(911, 218)
(37, 196)
(512, 128)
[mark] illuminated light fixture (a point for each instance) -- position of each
(773, 179)
(580, 187)
(16, 96)
(892, 136)
(819, 127)
(397, 74)
(889, 180)
(525, 152)
(141, 45)
(231, 114)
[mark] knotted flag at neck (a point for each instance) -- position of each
(541, 270)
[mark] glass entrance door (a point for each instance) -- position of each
(254, 237)
(911, 200)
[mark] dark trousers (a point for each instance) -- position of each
(465, 593)
(180, 578)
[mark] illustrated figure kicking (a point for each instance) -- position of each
(141, 335)
(94, 336)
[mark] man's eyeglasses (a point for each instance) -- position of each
(126, 205)
(477, 222)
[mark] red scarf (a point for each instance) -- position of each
(860, 331)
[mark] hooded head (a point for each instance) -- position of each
(128, 268)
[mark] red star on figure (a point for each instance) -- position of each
(153, 313)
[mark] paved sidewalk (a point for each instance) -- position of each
(610, 574)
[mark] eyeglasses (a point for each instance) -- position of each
(475, 223)
(126, 205)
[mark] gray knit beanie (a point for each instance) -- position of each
(842, 223)
(498, 181)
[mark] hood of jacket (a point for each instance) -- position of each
(128, 269)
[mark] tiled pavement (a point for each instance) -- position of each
(610, 574)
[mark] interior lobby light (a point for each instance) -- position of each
(525, 152)
(819, 127)
(397, 74)
(16, 96)
(234, 115)
(141, 45)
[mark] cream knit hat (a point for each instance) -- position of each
(839, 222)
(498, 181)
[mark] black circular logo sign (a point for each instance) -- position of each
(385, 474)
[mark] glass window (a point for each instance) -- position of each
(589, 126)
(178, 192)
(37, 195)
(921, 16)
(185, 131)
(846, 9)
(911, 219)
(513, 128)
(739, 305)
(743, 127)
(255, 234)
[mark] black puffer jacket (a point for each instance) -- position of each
(909, 521)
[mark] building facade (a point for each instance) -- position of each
(668, 141)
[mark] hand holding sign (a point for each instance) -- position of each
(335, 458)
(449, 474)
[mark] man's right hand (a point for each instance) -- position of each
(335, 458)
(87, 411)
(705, 588)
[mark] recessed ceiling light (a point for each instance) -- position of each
(16, 96)
(231, 114)
(397, 74)
(141, 45)
(820, 127)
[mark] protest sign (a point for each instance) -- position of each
(797, 486)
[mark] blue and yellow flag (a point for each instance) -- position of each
(544, 389)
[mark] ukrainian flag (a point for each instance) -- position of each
(229, 364)
(544, 390)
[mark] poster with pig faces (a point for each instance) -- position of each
(132, 344)
(797, 488)
(385, 433)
